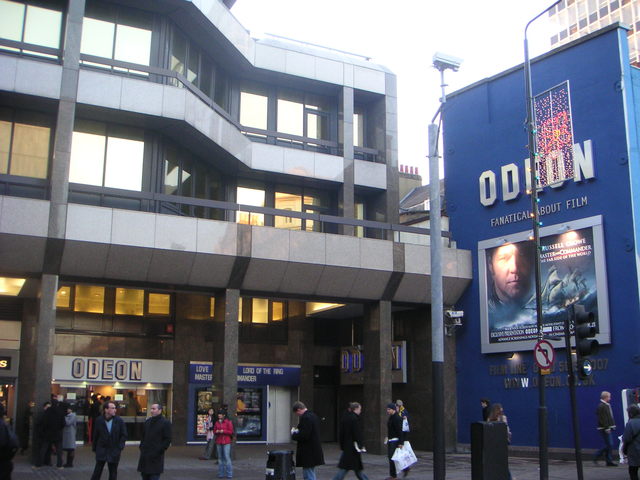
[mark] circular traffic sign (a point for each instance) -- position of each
(544, 354)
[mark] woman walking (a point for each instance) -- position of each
(223, 433)
(351, 443)
(69, 435)
(496, 414)
(208, 427)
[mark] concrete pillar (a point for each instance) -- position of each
(225, 352)
(377, 373)
(392, 214)
(347, 194)
(300, 345)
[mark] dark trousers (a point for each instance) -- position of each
(155, 476)
(391, 447)
(44, 456)
(97, 471)
(6, 467)
(70, 454)
(633, 472)
(608, 446)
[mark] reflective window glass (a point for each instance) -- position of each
(277, 311)
(358, 130)
(253, 110)
(260, 310)
(240, 309)
(30, 151)
(63, 297)
(159, 303)
(193, 68)
(290, 117)
(172, 172)
(178, 53)
(97, 37)
(5, 144)
(129, 301)
(221, 90)
(42, 26)
(89, 298)
(133, 44)
(11, 20)
(291, 202)
(212, 307)
(253, 197)
(206, 78)
(124, 163)
(87, 158)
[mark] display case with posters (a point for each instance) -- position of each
(205, 398)
(572, 270)
(249, 408)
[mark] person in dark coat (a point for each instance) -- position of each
(351, 443)
(631, 439)
(8, 447)
(27, 426)
(307, 435)
(395, 437)
(52, 423)
(156, 438)
(109, 437)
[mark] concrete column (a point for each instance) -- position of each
(391, 151)
(300, 344)
(225, 352)
(347, 194)
(377, 373)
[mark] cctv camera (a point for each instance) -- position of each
(442, 61)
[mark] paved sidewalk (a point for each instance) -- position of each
(182, 463)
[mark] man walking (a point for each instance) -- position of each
(309, 451)
(395, 438)
(351, 443)
(109, 437)
(156, 438)
(606, 425)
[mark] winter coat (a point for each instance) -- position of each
(108, 446)
(52, 423)
(226, 426)
(633, 451)
(309, 451)
(156, 438)
(394, 428)
(69, 432)
(350, 432)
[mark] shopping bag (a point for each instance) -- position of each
(623, 456)
(404, 457)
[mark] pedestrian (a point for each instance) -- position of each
(485, 403)
(208, 427)
(109, 437)
(223, 431)
(631, 440)
(496, 414)
(351, 443)
(8, 446)
(156, 438)
(404, 414)
(394, 438)
(95, 409)
(307, 435)
(69, 436)
(52, 423)
(606, 426)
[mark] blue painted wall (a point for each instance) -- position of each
(484, 130)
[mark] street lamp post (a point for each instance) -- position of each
(441, 62)
(533, 154)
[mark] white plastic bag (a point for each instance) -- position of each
(623, 457)
(405, 424)
(404, 457)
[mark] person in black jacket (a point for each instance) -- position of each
(395, 437)
(109, 437)
(351, 443)
(307, 434)
(50, 433)
(156, 438)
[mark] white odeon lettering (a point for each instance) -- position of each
(510, 176)
(106, 369)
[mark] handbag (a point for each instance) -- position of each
(403, 457)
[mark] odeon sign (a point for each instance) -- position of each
(510, 176)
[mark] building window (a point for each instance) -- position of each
(63, 297)
(300, 200)
(25, 140)
(107, 156)
(253, 110)
(89, 298)
(30, 24)
(254, 197)
(129, 301)
(302, 115)
(263, 320)
(116, 34)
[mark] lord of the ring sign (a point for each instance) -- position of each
(107, 370)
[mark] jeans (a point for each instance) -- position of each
(97, 470)
(341, 474)
(225, 469)
(309, 473)
(208, 451)
(607, 436)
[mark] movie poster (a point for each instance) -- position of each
(569, 267)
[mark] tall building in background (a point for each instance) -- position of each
(576, 18)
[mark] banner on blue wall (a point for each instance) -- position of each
(572, 271)
(554, 135)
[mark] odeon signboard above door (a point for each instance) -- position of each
(106, 369)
